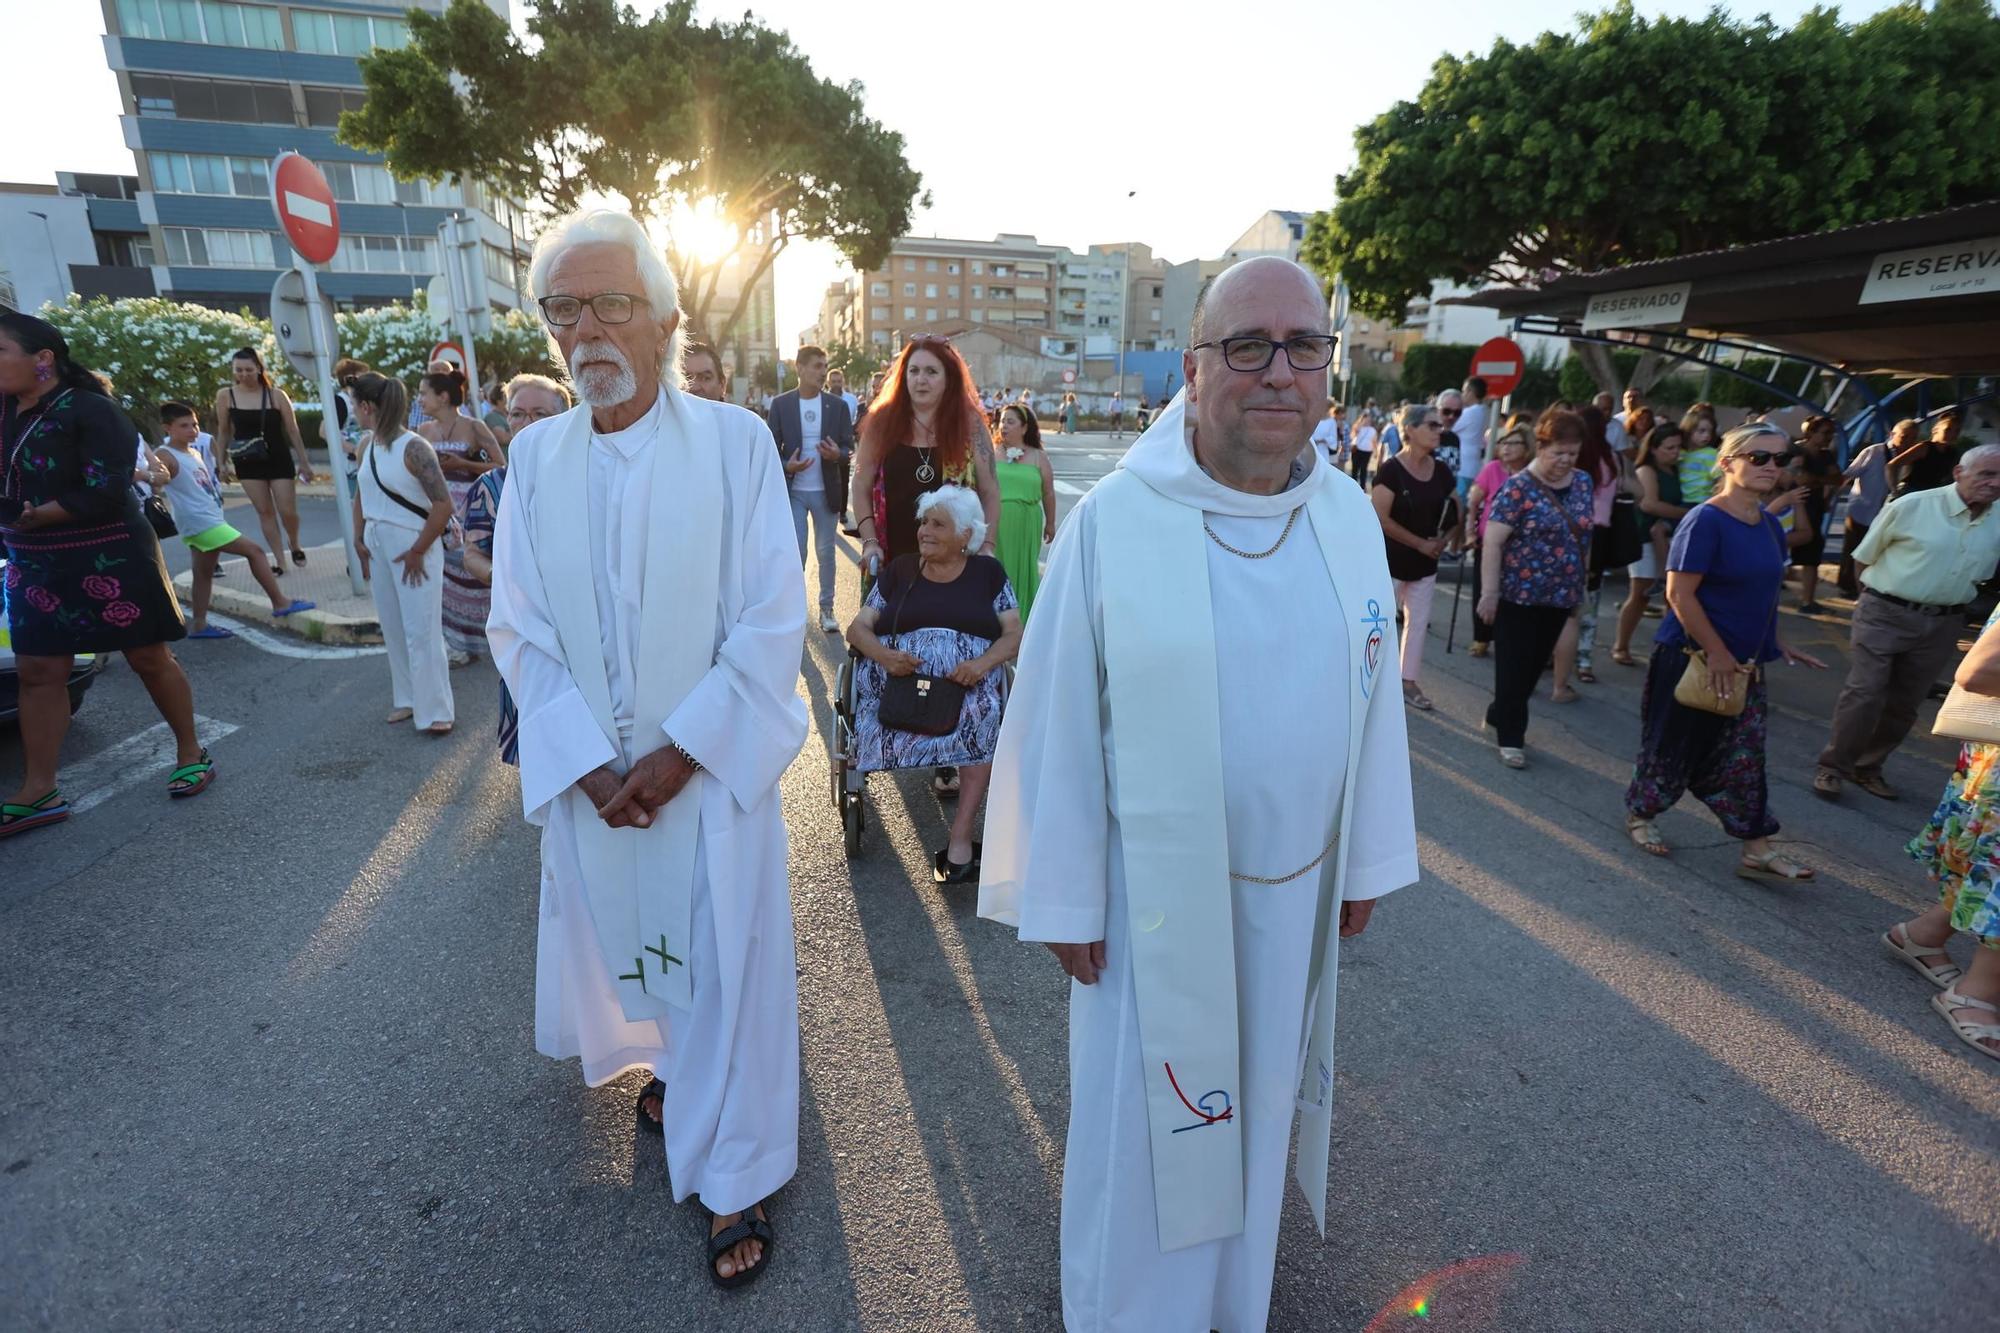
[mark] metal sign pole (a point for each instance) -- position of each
(458, 281)
(329, 427)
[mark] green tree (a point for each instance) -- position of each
(857, 361)
(1637, 139)
(1429, 368)
(720, 131)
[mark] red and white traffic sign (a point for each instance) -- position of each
(1069, 377)
(1499, 361)
(448, 351)
(305, 208)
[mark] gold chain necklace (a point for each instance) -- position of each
(1255, 555)
(1286, 879)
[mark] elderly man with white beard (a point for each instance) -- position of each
(648, 615)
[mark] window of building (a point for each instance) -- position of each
(909, 266)
(931, 314)
(1154, 316)
(977, 291)
(324, 105)
(978, 316)
(951, 312)
(978, 266)
(930, 290)
(1032, 294)
(999, 270)
(952, 291)
(389, 254)
(345, 34)
(909, 289)
(878, 289)
(1158, 291)
(216, 247)
(909, 312)
(175, 98)
(880, 337)
(951, 269)
(499, 265)
(930, 266)
(216, 22)
(878, 313)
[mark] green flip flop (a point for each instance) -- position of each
(51, 809)
(192, 779)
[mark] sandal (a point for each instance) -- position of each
(192, 779)
(1975, 1035)
(51, 809)
(1566, 695)
(1913, 954)
(298, 556)
(1645, 836)
(296, 607)
(210, 632)
(747, 1227)
(1826, 783)
(1775, 867)
(654, 1089)
(947, 871)
(1623, 658)
(1586, 675)
(400, 715)
(1513, 756)
(1414, 696)
(944, 782)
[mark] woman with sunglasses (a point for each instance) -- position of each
(1724, 573)
(1416, 500)
(1511, 452)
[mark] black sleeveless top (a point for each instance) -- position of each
(900, 490)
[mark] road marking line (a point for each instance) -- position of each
(278, 647)
(1062, 488)
(1100, 458)
(133, 760)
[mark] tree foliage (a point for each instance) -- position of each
(1637, 139)
(154, 350)
(666, 112)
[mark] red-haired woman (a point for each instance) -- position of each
(925, 429)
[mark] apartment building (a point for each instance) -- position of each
(212, 90)
(1009, 280)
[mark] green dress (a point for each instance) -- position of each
(1019, 541)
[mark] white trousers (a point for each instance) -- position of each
(412, 622)
(1414, 596)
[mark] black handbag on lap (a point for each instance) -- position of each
(920, 704)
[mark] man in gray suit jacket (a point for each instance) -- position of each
(815, 435)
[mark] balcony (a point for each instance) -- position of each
(116, 281)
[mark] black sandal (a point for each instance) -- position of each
(947, 871)
(298, 556)
(653, 1088)
(747, 1227)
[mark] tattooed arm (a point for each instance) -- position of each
(422, 462)
(985, 481)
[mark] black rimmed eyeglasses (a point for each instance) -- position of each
(609, 307)
(1312, 351)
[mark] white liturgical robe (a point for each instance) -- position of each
(646, 587)
(1197, 765)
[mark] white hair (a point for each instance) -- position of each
(966, 513)
(543, 382)
(1978, 453)
(604, 226)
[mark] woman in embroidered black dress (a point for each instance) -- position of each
(84, 571)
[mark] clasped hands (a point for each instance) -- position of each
(1085, 962)
(631, 801)
(967, 673)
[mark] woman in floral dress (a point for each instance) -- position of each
(84, 571)
(1961, 849)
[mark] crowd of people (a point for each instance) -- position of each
(1199, 654)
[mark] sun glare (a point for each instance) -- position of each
(701, 232)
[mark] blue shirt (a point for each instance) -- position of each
(1742, 567)
(1547, 554)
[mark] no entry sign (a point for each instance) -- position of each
(305, 208)
(1499, 362)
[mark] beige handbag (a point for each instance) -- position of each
(1694, 690)
(1967, 716)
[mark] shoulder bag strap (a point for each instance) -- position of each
(423, 514)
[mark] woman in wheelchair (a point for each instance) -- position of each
(937, 624)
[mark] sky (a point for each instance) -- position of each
(1077, 121)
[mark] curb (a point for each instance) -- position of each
(315, 626)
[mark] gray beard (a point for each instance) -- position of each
(600, 387)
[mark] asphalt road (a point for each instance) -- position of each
(269, 1057)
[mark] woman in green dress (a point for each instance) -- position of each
(1027, 501)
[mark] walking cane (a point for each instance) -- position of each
(1457, 583)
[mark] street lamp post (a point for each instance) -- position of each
(55, 263)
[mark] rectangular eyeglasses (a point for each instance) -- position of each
(1312, 351)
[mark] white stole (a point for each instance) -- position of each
(640, 882)
(1160, 671)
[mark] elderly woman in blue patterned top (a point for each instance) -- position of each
(946, 612)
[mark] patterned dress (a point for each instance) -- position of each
(482, 512)
(907, 618)
(96, 583)
(1960, 847)
(466, 599)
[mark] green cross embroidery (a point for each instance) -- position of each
(665, 957)
(639, 975)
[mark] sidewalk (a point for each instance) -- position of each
(340, 617)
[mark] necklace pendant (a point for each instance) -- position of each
(925, 472)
